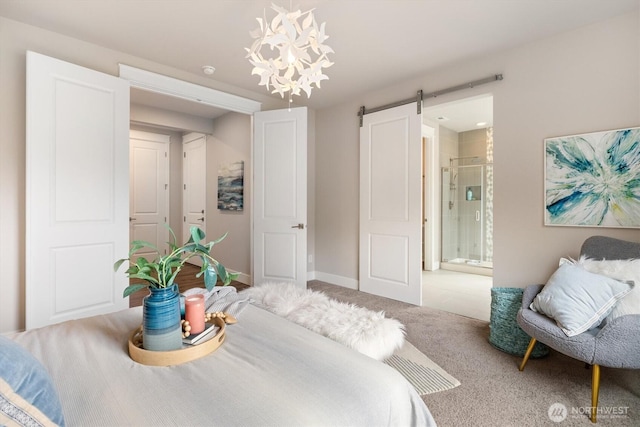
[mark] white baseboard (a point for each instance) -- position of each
(333, 279)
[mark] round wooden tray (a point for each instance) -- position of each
(175, 357)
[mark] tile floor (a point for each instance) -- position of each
(461, 293)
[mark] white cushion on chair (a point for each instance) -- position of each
(624, 270)
(577, 299)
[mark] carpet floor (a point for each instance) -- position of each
(492, 392)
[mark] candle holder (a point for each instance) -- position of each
(194, 312)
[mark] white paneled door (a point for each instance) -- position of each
(194, 180)
(391, 204)
(280, 196)
(77, 191)
(149, 190)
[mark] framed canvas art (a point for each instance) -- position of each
(593, 179)
(231, 187)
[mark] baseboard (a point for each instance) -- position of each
(243, 278)
(333, 279)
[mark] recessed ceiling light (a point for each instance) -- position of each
(208, 69)
(481, 124)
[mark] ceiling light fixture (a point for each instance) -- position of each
(298, 52)
(481, 124)
(208, 69)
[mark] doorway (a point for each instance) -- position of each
(186, 126)
(461, 196)
(463, 134)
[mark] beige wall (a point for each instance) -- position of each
(473, 143)
(230, 142)
(581, 81)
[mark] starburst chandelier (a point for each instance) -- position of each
(296, 56)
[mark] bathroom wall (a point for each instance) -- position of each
(472, 143)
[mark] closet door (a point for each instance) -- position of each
(194, 180)
(149, 190)
(77, 191)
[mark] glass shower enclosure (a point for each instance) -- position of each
(467, 216)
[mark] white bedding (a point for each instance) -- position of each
(268, 372)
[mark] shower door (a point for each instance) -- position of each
(464, 214)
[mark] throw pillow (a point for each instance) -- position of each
(27, 394)
(577, 299)
(623, 270)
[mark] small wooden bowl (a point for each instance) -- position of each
(175, 357)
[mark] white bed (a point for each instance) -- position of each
(268, 372)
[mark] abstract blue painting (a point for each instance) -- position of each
(231, 187)
(593, 179)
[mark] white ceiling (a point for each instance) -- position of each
(464, 115)
(377, 42)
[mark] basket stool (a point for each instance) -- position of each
(504, 333)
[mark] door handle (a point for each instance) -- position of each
(300, 226)
(201, 219)
(131, 219)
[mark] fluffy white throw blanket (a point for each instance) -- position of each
(363, 330)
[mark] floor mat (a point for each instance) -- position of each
(424, 374)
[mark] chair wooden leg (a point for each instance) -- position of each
(532, 343)
(595, 389)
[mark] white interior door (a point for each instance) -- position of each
(77, 191)
(149, 190)
(391, 204)
(194, 197)
(280, 196)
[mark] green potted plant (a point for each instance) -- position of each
(161, 308)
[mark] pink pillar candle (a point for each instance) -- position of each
(194, 312)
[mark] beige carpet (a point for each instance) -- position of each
(421, 372)
(493, 393)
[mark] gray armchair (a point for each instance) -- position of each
(615, 344)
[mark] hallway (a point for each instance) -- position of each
(461, 293)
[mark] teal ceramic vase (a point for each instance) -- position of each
(161, 327)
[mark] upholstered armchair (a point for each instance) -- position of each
(614, 343)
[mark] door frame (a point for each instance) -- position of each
(169, 86)
(158, 83)
(431, 154)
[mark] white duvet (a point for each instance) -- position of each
(268, 372)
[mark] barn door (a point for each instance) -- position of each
(391, 204)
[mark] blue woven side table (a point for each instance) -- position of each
(505, 334)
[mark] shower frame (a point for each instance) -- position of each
(464, 196)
